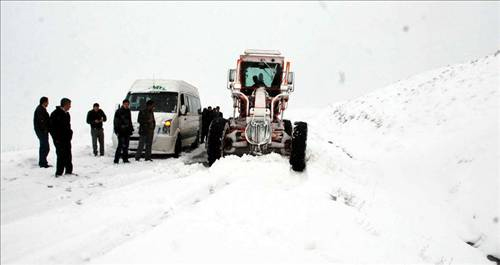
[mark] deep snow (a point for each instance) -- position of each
(406, 174)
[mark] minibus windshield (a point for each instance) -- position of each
(164, 101)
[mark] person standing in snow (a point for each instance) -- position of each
(95, 117)
(204, 123)
(60, 130)
(123, 129)
(217, 112)
(41, 124)
(210, 116)
(146, 120)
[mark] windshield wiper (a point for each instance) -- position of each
(272, 69)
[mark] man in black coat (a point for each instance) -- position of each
(210, 117)
(257, 82)
(41, 124)
(217, 113)
(204, 124)
(123, 129)
(146, 120)
(95, 117)
(60, 129)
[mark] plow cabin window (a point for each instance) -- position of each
(256, 74)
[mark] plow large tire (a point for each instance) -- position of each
(299, 143)
(215, 140)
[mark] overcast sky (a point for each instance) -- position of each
(93, 51)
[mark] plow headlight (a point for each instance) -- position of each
(258, 132)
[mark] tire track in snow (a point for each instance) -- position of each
(167, 195)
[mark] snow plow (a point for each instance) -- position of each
(260, 87)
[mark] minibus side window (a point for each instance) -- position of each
(198, 105)
(192, 104)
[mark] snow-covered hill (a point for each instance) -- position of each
(407, 174)
(436, 133)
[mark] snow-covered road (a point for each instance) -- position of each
(81, 216)
(251, 209)
(393, 182)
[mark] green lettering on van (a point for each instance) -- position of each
(158, 87)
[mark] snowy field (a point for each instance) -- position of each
(407, 174)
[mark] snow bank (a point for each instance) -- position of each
(436, 133)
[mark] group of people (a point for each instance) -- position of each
(123, 129)
(207, 116)
(58, 125)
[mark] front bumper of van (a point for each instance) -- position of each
(162, 144)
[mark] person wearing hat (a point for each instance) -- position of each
(95, 117)
(60, 130)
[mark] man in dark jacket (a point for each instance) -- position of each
(210, 117)
(123, 129)
(257, 82)
(95, 117)
(204, 124)
(60, 129)
(217, 112)
(147, 123)
(41, 124)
